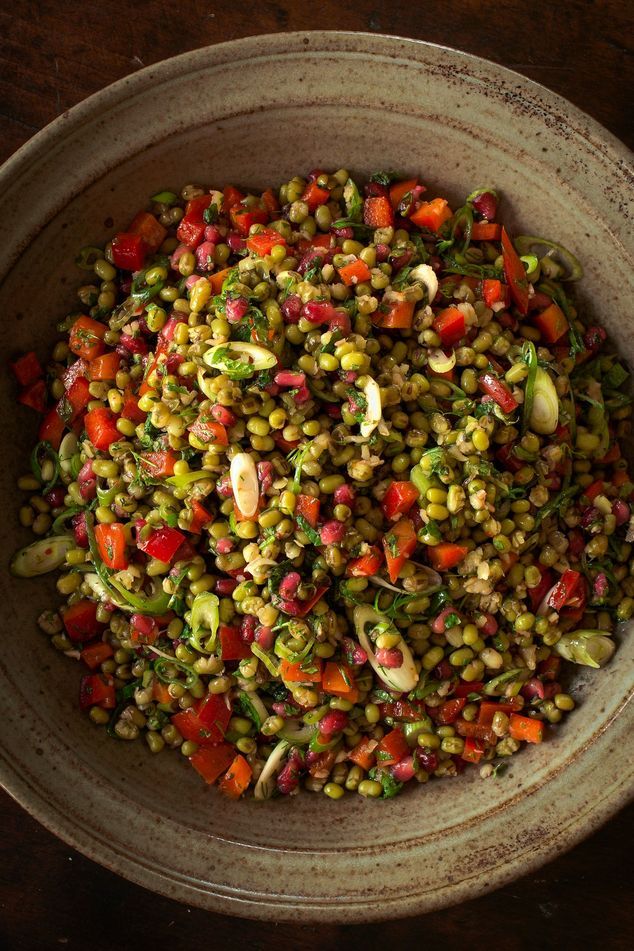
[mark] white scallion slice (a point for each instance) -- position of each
(403, 678)
(439, 362)
(588, 648)
(244, 482)
(427, 276)
(41, 556)
(373, 412)
(265, 786)
(544, 416)
(250, 356)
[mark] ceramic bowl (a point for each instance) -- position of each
(256, 111)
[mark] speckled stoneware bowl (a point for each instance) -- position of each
(253, 112)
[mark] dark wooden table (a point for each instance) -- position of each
(54, 54)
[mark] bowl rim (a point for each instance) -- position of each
(16, 782)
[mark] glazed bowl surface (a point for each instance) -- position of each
(254, 112)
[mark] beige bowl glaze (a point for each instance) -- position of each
(256, 111)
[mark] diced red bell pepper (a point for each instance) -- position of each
(526, 728)
(485, 231)
(94, 655)
(399, 192)
(269, 200)
(264, 241)
(111, 541)
(86, 338)
(149, 228)
(464, 689)
(473, 750)
(448, 711)
(80, 621)
(402, 710)
(339, 680)
(552, 323)
(446, 555)
(432, 214)
(499, 392)
(308, 507)
(398, 544)
(378, 212)
(34, 396)
(537, 594)
(211, 761)
(237, 778)
(27, 368)
(95, 690)
(104, 367)
(494, 292)
(162, 544)
(515, 274)
(292, 673)
(565, 590)
(159, 464)
(201, 517)
(314, 196)
(449, 324)
(231, 197)
(206, 733)
(365, 565)
(207, 430)
(52, 428)
(488, 709)
(75, 400)
(364, 753)
(399, 499)
(232, 647)
(356, 272)
(507, 458)
(131, 409)
(244, 217)
(595, 488)
(395, 313)
(214, 712)
(190, 231)
(392, 748)
(101, 428)
(129, 251)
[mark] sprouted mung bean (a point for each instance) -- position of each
(332, 474)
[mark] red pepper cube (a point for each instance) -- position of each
(129, 251)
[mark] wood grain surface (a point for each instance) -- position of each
(54, 54)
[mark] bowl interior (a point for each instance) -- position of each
(225, 115)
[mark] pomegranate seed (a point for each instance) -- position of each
(265, 475)
(288, 378)
(223, 415)
(382, 252)
(340, 321)
(533, 688)
(348, 376)
(427, 759)
(333, 410)
(224, 546)
(486, 205)
(236, 308)
(490, 625)
(404, 770)
(601, 585)
(205, 257)
(223, 487)
(225, 586)
(621, 511)
(438, 624)
(292, 309)
(344, 495)
(143, 624)
(332, 532)
(247, 628)
(264, 637)
(344, 234)
(318, 312)
(354, 652)
(302, 395)
(87, 481)
(333, 722)
(79, 530)
(236, 242)
(133, 344)
(390, 657)
(55, 497)
(213, 234)
(176, 256)
(289, 585)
